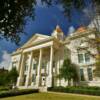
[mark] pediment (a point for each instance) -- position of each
(34, 39)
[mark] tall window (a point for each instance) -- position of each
(89, 71)
(82, 75)
(34, 66)
(87, 57)
(44, 63)
(80, 58)
(14, 64)
(33, 78)
(26, 67)
(83, 57)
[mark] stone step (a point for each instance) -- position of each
(42, 89)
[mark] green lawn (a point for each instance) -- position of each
(52, 96)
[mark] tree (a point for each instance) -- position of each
(3, 75)
(12, 76)
(3, 80)
(13, 13)
(69, 71)
(8, 77)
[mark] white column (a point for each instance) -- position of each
(39, 67)
(29, 69)
(58, 67)
(50, 67)
(20, 78)
(19, 63)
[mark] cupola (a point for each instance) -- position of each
(58, 33)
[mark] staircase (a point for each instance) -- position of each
(43, 89)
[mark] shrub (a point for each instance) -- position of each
(4, 88)
(79, 90)
(17, 92)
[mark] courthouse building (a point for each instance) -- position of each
(38, 61)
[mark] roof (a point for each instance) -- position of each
(81, 29)
(35, 39)
(80, 32)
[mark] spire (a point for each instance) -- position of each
(58, 29)
(58, 33)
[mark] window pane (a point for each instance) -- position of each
(34, 66)
(24, 80)
(82, 75)
(33, 78)
(26, 67)
(89, 71)
(80, 58)
(44, 64)
(87, 57)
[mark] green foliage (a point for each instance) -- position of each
(17, 92)
(9, 78)
(12, 76)
(79, 90)
(3, 78)
(97, 69)
(69, 71)
(4, 88)
(13, 14)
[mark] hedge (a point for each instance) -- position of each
(4, 88)
(79, 90)
(17, 92)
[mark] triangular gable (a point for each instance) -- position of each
(35, 38)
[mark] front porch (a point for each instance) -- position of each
(36, 68)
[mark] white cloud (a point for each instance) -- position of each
(39, 4)
(89, 13)
(6, 60)
(71, 29)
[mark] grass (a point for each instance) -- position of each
(52, 96)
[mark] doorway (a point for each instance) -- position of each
(43, 81)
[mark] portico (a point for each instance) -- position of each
(36, 66)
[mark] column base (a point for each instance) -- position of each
(27, 81)
(37, 81)
(19, 81)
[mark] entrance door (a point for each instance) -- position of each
(43, 81)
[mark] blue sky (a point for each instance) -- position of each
(45, 22)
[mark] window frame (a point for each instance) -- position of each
(84, 59)
(90, 74)
(82, 76)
